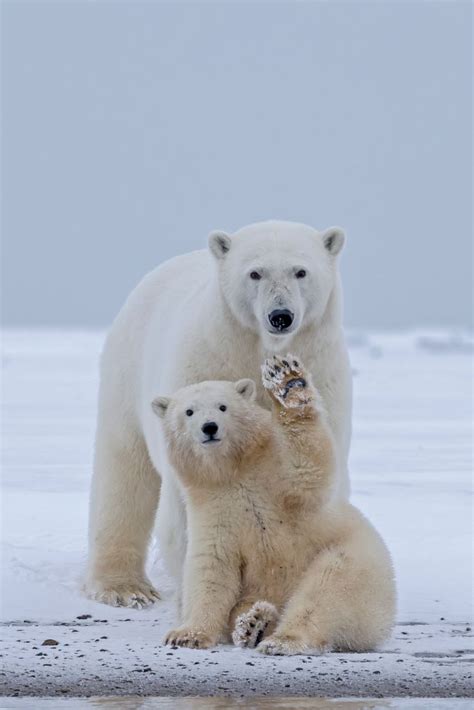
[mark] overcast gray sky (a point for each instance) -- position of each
(131, 129)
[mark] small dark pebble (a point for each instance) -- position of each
(84, 616)
(50, 642)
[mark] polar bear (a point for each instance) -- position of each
(270, 554)
(208, 315)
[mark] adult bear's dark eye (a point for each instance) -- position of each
(223, 408)
(255, 275)
(300, 274)
(189, 412)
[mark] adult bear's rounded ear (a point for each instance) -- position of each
(219, 244)
(160, 405)
(247, 389)
(333, 239)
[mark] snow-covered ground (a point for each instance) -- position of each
(411, 467)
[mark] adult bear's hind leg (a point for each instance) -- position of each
(124, 497)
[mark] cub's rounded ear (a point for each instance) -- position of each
(333, 239)
(247, 389)
(219, 244)
(160, 406)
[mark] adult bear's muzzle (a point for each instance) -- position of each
(281, 319)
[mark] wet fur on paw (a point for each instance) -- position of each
(188, 638)
(251, 625)
(286, 379)
(135, 594)
(276, 645)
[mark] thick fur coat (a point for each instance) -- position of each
(273, 558)
(204, 316)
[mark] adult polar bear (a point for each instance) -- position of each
(269, 288)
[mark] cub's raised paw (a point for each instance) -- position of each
(286, 380)
(251, 626)
(189, 638)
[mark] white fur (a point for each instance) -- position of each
(271, 559)
(200, 317)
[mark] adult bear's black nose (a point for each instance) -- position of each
(281, 318)
(210, 428)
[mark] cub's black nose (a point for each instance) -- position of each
(281, 319)
(210, 428)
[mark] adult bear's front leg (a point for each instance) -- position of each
(124, 498)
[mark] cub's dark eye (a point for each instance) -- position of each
(223, 408)
(300, 274)
(255, 275)
(189, 412)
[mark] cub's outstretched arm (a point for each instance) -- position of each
(306, 439)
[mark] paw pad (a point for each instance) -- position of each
(285, 379)
(251, 626)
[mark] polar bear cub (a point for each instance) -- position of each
(273, 560)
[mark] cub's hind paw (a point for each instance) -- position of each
(250, 626)
(286, 381)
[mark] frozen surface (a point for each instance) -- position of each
(411, 469)
(216, 703)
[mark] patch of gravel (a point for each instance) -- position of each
(98, 657)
